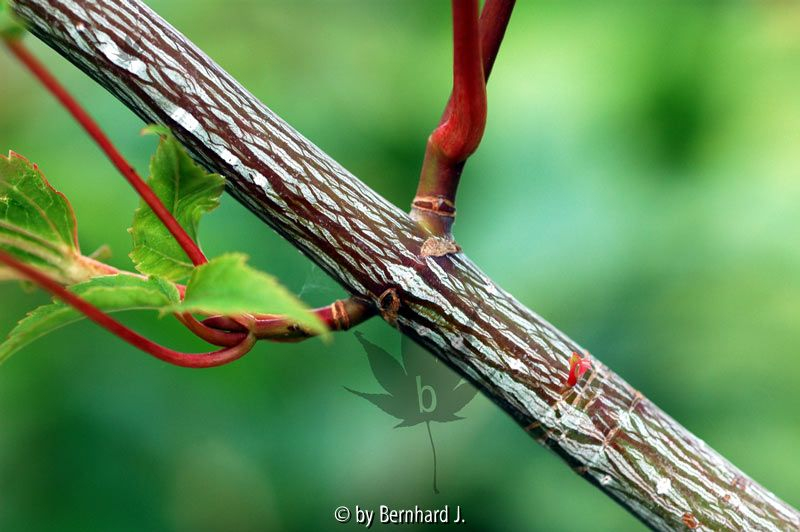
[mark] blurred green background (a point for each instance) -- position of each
(638, 186)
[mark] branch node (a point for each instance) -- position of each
(438, 205)
(389, 305)
(438, 247)
(341, 321)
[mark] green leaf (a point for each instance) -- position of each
(188, 192)
(10, 28)
(227, 285)
(37, 224)
(109, 293)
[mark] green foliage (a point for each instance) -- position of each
(188, 192)
(38, 227)
(423, 389)
(37, 223)
(227, 285)
(10, 28)
(110, 293)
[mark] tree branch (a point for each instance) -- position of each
(602, 427)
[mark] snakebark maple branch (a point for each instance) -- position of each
(602, 427)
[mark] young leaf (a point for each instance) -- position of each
(109, 293)
(227, 285)
(188, 192)
(37, 224)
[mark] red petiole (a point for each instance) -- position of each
(493, 23)
(188, 360)
(190, 247)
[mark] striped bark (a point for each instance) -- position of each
(603, 428)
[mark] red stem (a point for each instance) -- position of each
(340, 315)
(188, 360)
(189, 246)
(461, 128)
(213, 336)
(493, 23)
(475, 46)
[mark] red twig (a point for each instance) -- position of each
(188, 360)
(465, 117)
(213, 336)
(91, 127)
(475, 46)
(493, 23)
(340, 315)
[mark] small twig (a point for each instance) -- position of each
(340, 315)
(213, 336)
(493, 23)
(460, 129)
(475, 47)
(187, 360)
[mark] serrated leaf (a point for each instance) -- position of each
(227, 285)
(37, 224)
(10, 27)
(188, 192)
(111, 293)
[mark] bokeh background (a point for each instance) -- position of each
(638, 185)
